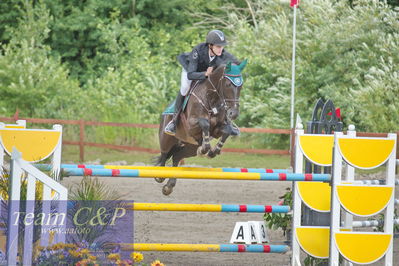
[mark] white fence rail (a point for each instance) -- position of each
(19, 167)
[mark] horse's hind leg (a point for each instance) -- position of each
(161, 162)
(188, 151)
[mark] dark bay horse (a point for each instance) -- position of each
(212, 105)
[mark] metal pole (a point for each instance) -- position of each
(205, 247)
(293, 68)
(176, 207)
(196, 175)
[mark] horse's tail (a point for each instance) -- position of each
(163, 158)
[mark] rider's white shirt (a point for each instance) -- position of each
(185, 82)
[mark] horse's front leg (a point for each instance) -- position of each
(161, 162)
(206, 145)
(168, 188)
(216, 151)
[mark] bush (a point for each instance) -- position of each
(344, 53)
(30, 79)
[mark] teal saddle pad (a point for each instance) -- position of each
(170, 110)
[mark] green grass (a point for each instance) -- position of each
(70, 154)
(148, 137)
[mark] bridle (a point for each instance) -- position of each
(235, 100)
(221, 96)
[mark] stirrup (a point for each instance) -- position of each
(235, 131)
(170, 128)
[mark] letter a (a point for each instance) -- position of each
(240, 233)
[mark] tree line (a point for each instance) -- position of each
(115, 60)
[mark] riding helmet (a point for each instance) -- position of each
(216, 37)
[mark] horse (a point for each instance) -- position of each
(212, 106)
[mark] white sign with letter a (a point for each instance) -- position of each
(244, 232)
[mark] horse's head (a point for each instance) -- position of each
(230, 79)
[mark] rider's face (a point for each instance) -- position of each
(216, 50)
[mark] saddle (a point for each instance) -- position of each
(170, 110)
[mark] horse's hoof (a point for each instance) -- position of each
(211, 155)
(159, 180)
(166, 190)
(199, 151)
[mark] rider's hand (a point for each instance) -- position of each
(208, 71)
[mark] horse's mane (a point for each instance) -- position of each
(218, 67)
(218, 71)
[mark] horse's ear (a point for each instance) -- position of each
(228, 67)
(243, 64)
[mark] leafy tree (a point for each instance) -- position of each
(10, 11)
(68, 58)
(136, 80)
(30, 79)
(75, 35)
(349, 54)
(389, 2)
(76, 29)
(343, 53)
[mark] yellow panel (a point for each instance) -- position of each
(362, 248)
(318, 149)
(35, 145)
(14, 126)
(176, 207)
(316, 195)
(208, 169)
(314, 240)
(366, 153)
(364, 200)
(171, 247)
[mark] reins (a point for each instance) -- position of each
(213, 110)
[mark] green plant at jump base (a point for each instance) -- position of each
(90, 189)
(312, 261)
(281, 220)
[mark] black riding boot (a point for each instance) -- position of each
(170, 128)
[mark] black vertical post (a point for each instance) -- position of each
(320, 124)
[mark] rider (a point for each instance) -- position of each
(198, 65)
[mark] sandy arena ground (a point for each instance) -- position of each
(204, 228)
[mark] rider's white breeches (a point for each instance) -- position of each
(184, 83)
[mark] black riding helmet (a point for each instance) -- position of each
(216, 37)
